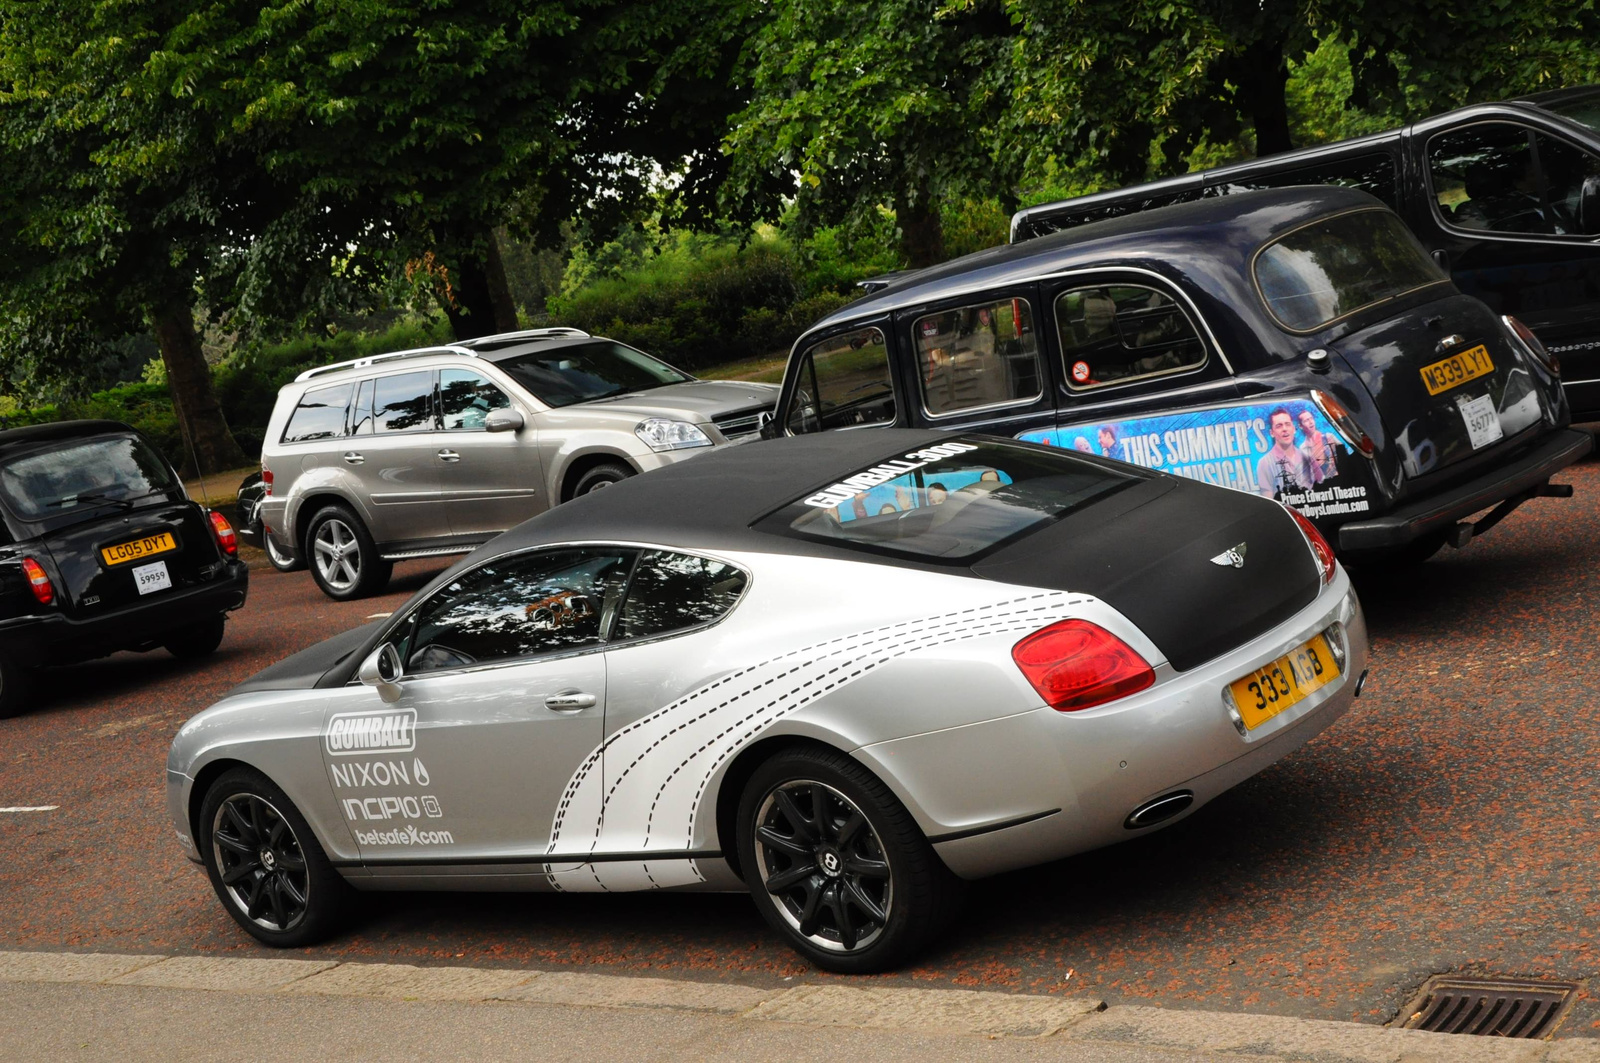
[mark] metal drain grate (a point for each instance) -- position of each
(1489, 1007)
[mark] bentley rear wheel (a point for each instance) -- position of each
(837, 865)
(265, 864)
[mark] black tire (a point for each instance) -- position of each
(265, 864)
(601, 476)
(342, 556)
(883, 896)
(197, 640)
(277, 558)
(15, 686)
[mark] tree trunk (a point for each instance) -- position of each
(208, 439)
(479, 300)
(921, 231)
(1262, 75)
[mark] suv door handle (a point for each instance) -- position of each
(449, 455)
(351, 457)
(570, 701)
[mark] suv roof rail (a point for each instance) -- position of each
(532, 334)
(377, 359)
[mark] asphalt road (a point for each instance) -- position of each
(1448, 823)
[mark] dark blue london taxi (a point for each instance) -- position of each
(1298, 343)
(101, 550)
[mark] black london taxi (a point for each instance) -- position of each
(1298, 343)
(101, 550)
(1505, 196)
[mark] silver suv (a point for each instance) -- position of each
(432, 451)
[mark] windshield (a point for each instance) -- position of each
(82, 474)
(1321, 272)
(950, 500)
(1584, 110)
(587, 371)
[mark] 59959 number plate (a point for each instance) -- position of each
(1292, 678)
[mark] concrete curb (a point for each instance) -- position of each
(953, 1011)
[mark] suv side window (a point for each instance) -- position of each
(986, 354)
(671, 592)
(524, 605)
(842, 381)
(403, 402)
(1485, 177)
(1567, 169)
(466, 398)
(1119, 333)
(319, 415)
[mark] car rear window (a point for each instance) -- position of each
(951, 500)
(82, 474)
(320, 415)
(1331, 268)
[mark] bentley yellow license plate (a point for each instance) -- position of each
(1292, 678)
(149, 546)
(1457, 369)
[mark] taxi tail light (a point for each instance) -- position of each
(1533, 343)
(43, 589)
(1320, 550)
(1353, 433)
(1076, 665)
(226, 539)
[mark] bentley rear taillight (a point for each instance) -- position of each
(1320, 550)
(1075, 665)
(43, 589)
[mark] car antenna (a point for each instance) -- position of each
(188, 438)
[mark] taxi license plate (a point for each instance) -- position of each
(1292, 678)
(1457, 369)
(149, 546)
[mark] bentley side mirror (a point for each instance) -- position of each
(503, 421)
(382, 670)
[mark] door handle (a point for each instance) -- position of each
(351, 457)
(570, 701)
(449, 455)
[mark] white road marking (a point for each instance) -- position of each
(378, 616)
(30, 808)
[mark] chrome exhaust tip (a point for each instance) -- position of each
(1159, 809)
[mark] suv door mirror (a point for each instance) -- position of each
(1589, 207)
(382, 670)
(503, 421)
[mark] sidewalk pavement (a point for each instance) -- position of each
(127, 1008)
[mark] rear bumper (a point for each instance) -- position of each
(1437, 512)
(55, 638)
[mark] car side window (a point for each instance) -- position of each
(986, 354)
(466, 399)
(671, 591)
(1569, 170)
(320, 414)
(843, 381)
(1118, 333)
(524, 605)
(1485, 177)
(361, 414)
(403, 402)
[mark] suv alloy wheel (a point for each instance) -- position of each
(343, 558)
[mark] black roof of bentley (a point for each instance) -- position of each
(1218, 233)
(714, 497)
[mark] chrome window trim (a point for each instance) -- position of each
(1066, 374)
(1558, 239)
(922, 385)
(1255, 280)
(401, 620)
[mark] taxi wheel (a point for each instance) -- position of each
(838, 866)
(601, 476)
(197, 640)
(13, 688)
(342, 556)
(265, 864)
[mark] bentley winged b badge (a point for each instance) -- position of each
(1234, 556)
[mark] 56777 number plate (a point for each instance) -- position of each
(1292, 678)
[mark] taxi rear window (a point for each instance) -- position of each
(82, 476)
(950, 500)
(1331, 268)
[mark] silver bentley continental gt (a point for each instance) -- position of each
(844, 671)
